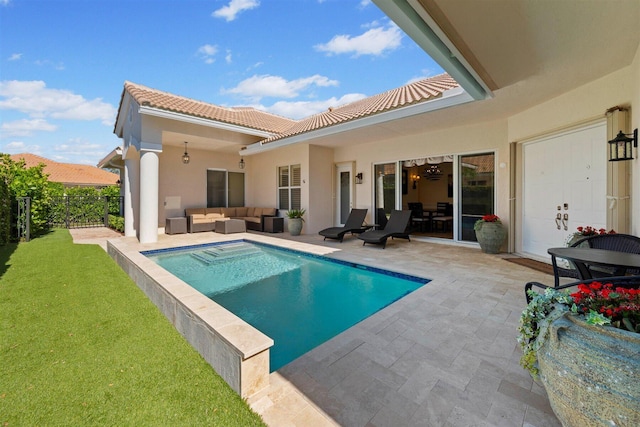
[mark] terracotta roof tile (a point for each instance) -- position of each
(69, 174)
(240, 116)
(413, 93)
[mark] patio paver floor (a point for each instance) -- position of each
(445, 355)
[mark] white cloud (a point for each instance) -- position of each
(302, 109)
(4, 2)
(257, 87)
(364, 3)
(207, 53)
(234, 8)
(15, 147)
(375, 41)
(38, 101)
(26, 127)
(15, 57)
(228, 59)
(48, 63)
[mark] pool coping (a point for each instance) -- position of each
(237, 351)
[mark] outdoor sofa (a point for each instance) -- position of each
(204, 219)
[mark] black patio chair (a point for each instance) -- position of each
(353, 225)
(397, 226)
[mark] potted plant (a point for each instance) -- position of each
(583, 232)
(584, 348)
(295, 221)
(490, 233)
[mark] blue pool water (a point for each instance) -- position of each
(297, 299)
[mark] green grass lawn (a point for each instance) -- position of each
(80, 344)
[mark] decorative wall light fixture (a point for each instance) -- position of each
(620, 146)
(432, 173)
(241, 163)
(415, 178)
(359, 178)
(185, 156)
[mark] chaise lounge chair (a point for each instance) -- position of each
(353, 225)
(396, 227)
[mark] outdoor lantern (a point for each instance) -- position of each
(359, 178)
(185, 156)
(241, 163)
(620, 147)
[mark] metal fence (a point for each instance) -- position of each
(84, 211)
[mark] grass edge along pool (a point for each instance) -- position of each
(298, 299)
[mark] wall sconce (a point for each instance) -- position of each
(620, 146)
(415, 179)
(241, 163)
(359, 178)
(185, 156)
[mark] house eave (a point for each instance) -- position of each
(185, 118)
(450, 98)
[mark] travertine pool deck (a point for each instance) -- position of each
(445, 355)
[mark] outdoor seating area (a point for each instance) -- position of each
(205, 219)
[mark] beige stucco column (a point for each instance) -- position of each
(130, 186)
(149, 169)
(618, 176)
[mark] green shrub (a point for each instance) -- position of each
(117, 223)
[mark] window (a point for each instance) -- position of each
(289, 192)
(224, 189)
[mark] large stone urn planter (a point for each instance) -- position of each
(591, 373)
(295, 226)
(491, 236)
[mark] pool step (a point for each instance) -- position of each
(222, 254)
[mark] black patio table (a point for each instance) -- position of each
(584, 257)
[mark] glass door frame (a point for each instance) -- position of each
(342, 168)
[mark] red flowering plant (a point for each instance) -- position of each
(599, 303)
(486, 218)
(602, 304)
(587, 231)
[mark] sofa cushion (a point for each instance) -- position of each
(191, 211)
(229, 212)
(214, 216)
(257, 212)
(269, 211)
(213, 211)
(197, 216)
(250, 211)
(241, 212)
(253, 219)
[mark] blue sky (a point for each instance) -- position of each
(63, 63)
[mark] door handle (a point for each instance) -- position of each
(558, 219)
(565, 221)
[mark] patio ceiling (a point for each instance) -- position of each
(524, 51)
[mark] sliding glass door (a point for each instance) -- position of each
(385, 188)
(477, 191)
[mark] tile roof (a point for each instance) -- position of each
(240, 116)
(410, 94)
(69, 174)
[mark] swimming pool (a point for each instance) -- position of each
(297, 299)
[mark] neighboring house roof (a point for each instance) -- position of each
(69, 174)
(240, 116)
(410, 94)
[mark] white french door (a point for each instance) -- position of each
(564, 186)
